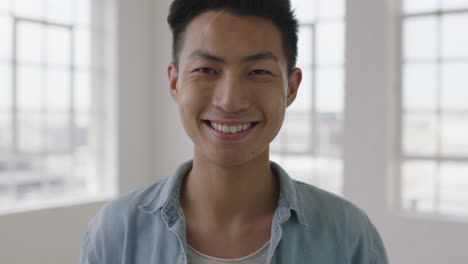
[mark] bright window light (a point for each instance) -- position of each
(434, 120)
(309, 144)
(53, 78)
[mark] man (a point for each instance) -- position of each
(233, 75)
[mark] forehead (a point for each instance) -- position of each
(231, 36)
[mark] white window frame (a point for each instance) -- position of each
(102, 183)
(438, 158)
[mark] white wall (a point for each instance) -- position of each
(172, 146)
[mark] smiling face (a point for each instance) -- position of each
(232, 86)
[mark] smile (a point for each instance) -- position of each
(230, 130)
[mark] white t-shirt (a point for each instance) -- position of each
(196, 257)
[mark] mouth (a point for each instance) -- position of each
(230, 127)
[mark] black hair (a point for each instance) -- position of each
(182, 12)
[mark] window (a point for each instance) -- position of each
(52, 110)
(309, 145)
(434, 119)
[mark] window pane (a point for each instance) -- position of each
(330, 43)
(57, 166)
(29, 133)
(29, 91)
(330, 90)
(418, 185)
(420, 134)
(6, 37)
(28, 167)
(85, 168)
(455, 86)
(305, 10)
(58, 89)
(454, 4)
(330, 129)
(331, 8)
(305, 46)
(6, 133)
(83, 12)
(58, 132)
(29, 33)
(328, 172)
(83, 91)
(58, 46)
(60, 11)
(303, 101)
(4, 5)
(82, 49)
(298, 133)
(5, 87)
(6, 164)
(455, 135)
(455, 36)
(416, 6)
(324, 173)
(454, 186)
(420, 87)
(81, 132)
(29, 8)
(420, 38)
(300, 168)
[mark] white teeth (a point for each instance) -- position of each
(230, 129)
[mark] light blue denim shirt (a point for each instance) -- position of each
(310, 226)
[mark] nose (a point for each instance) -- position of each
(231, 94)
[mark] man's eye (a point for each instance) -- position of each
(206, 70)
(259, 72)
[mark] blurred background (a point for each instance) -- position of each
(381, 117)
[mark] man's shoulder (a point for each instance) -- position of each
(127, 205)
(342, 216)
(316, 199)
(125, 214)
(332, 210)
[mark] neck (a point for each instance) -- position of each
(230, 194)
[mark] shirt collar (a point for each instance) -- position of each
(289, 199)
(167, 197)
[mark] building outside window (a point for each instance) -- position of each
(53, 109)
(309, 145)
(434, 111)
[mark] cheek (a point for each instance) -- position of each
(192, 100)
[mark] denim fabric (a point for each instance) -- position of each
(310, 226)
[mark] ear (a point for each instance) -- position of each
(293, 85)
(172, 74)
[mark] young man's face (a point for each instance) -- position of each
(232, 86)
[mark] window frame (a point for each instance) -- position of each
(101, 122)
(438, 158)
(278, 149)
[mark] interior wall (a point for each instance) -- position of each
(172, 145)
(53, 235)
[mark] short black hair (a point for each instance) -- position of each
(182, 12)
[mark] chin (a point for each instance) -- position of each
(236, 159)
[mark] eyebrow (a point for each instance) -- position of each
(199, 54)
(261, 56)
